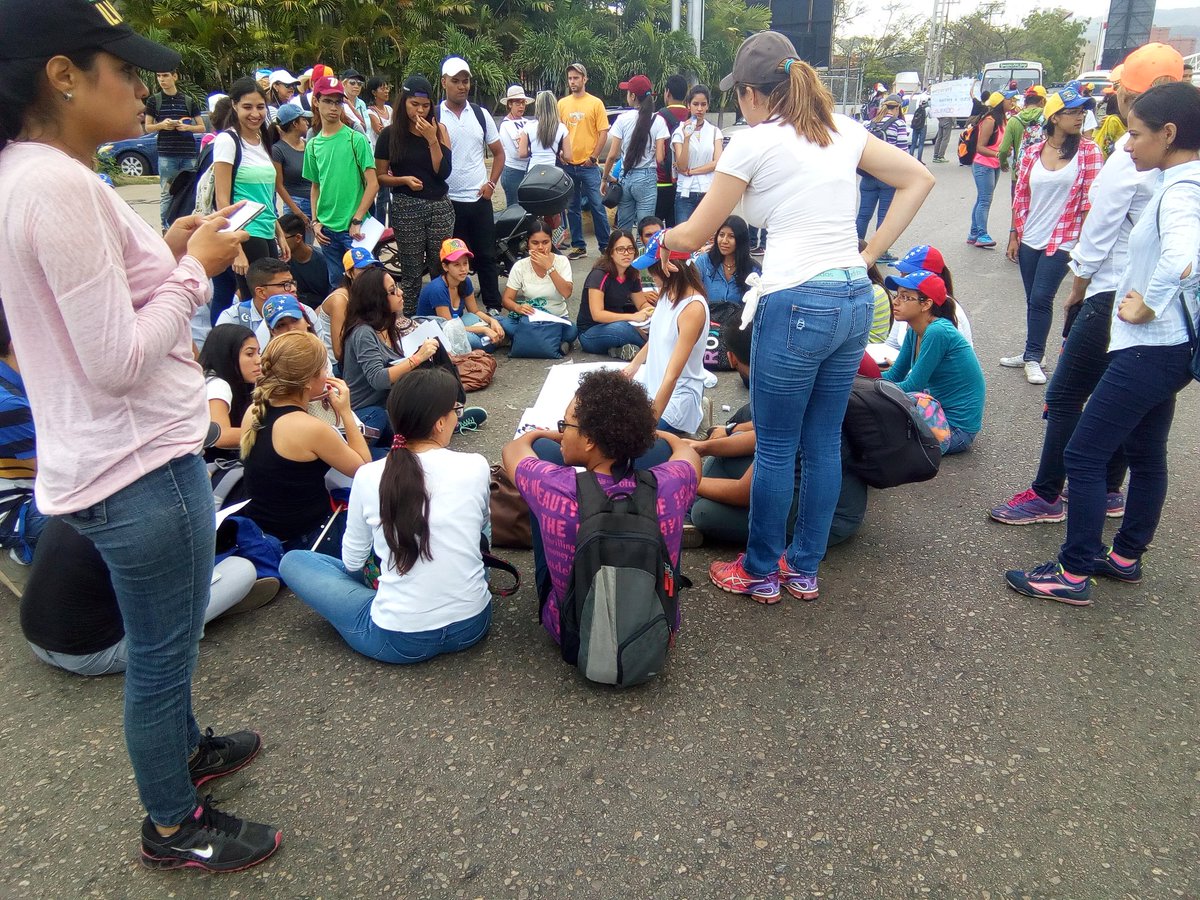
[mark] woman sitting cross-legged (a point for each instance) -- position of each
(452, 296)
(727, 264)
(935, 358)
(286, 452)
(614, 303)
(421, 510)
(539, 282)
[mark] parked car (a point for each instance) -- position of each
(137, 156)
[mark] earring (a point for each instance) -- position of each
(68, 96)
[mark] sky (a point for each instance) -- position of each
(1015, 10)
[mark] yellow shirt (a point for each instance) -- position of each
(585, 119)
(1107, 135)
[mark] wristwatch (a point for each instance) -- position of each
(356, 221)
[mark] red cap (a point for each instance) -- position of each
(327, 85)
(639, 85)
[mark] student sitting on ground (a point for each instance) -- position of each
(286, 452)
(607, 425)
(722, 508)
(727, 264)
(421, 510)
(674, 351)
(881, 321)
(284, 314)
(266, 278)
(20, 522)
(69, 612)
(230, 360)
(307, 264)
(935, 358)
(452, 296)
(539, 281)
(332, 317)
(613, 302)
(928, 259)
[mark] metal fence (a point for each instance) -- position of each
(846, 85)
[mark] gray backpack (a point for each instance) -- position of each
(620, 613)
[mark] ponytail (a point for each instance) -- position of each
(414, 405)
(639, 141)
(289, 363)
(802, 100)
(948, 310)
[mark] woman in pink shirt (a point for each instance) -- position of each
(118, 401)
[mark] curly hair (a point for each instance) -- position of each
(615, 413)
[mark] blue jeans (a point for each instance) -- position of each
(476, 340)
(305, 204)
(639, 194)
(512, 327)
(224, 289)
(510, 180)
(157, 536)
(168, 168)
(985, 187)
(1132, 407)
(343, 599)
(1041, 275)
(916, 146)
(1080, 367)
(808, 344)
(376, 417)
(960, 440)
(339, 243)
(872, 192)
(685, 206)
(587, 181)
(602, 337)
(379, 209)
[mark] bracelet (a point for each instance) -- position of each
(491, 184)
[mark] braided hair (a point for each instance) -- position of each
(289, 363)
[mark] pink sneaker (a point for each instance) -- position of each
(802, 587)
(733, 578)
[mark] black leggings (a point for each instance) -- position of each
(255, 248)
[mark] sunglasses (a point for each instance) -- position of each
(563, 425)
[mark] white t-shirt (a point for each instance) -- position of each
(467, 172)
(545, 156)
(1089, 122)
(510, 130)
(805, 195)
(525, 281)
(623, 129)
(685, 408)
(385, 119)
(1048, 193)
(450, 587)
(219, 389)
(701, 147)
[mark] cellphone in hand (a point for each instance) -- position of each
(244, 216)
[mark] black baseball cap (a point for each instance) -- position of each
(37, 29)
(351, 73)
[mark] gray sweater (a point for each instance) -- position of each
(365, 360)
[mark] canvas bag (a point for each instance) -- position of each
(621, 607)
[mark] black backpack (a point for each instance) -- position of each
(888, 440)
(918, 119)
(879, 129)
(620, 609)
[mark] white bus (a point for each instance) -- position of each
(998, 75)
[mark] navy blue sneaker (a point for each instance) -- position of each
(1107, 567)
(1047, 582)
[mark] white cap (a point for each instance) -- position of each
(307, 73)
(213, 100)
(283, 76)
(516, 92)
(454, 66)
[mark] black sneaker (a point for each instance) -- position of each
(211, 840)
(220, 756)
(1107, 567)
(577, 253)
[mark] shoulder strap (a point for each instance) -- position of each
(244, 311)
(11, 387)
(645, 495)
(479, 114)
(154, 103)
(590, 497)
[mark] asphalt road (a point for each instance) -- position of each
(919, 731)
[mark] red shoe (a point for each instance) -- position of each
(733, 578)
(802, 587)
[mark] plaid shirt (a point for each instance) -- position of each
(1070, 223)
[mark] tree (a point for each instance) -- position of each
(1055, 40)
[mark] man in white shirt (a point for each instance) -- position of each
(1118, 196)
(472, 131)
(267, 277)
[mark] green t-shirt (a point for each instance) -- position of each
(254, 180)
(336, 163)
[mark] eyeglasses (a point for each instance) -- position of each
(563, 425)
(282, 284)
(459, 409)
(394, 290)
(624, 250)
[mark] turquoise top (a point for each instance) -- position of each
(946, 368)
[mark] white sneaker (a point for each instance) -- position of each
(1012, 362)
(1034, 373)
